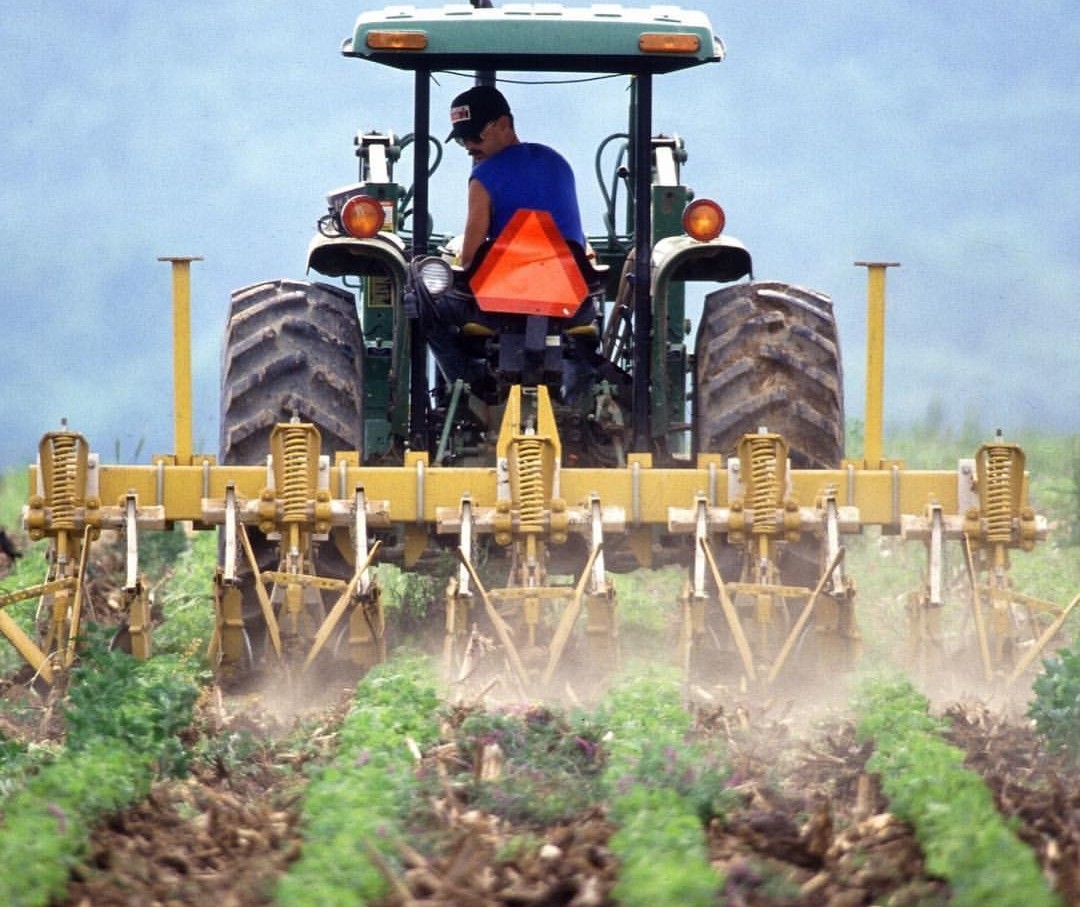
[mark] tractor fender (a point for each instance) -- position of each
(724, 259)
(382, 255)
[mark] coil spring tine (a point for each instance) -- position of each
(64, 477)
(764, 488)
(296, 491)
(530, 483)
(998, 498)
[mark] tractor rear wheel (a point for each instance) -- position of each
(768, 356)
(291, 349)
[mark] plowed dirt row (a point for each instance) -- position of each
(810, 827)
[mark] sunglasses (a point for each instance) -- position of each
(473, 138)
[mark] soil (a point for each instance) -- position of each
(810, 825)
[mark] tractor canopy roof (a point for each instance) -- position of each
(544, 37)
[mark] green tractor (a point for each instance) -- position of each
(353, 361)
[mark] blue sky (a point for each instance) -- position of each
(941, 135)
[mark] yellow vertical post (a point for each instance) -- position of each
(181, 305)
(875, 360)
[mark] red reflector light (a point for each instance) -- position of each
(703, 219)
(362, 216)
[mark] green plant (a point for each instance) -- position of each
(123, 723)
(1055, 707)
(662, 852)
(647, 599)
(355, 807)
(47, 824)
(663, 784)
(142, 705)
(186, 600)
(15, 765)
(652, 745)
(963, 837)
(550, 768)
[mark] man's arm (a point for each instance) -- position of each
(477, 221)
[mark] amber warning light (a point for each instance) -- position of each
(669, 43)
(703, 219)
(397, 40)
(362, 216)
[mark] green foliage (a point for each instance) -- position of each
(551, 763)
(160, 550)
(47, 825)
(140, 705)
(662, 785)
(652, 745)
(647, 598)
(412, 599)
(239, 753)
(187, 601)
(889, 706)
(123, 721)
(408, 591)
(962, 835)
(662, 851)
(20, 761)
(357, 804)
(1055, 708)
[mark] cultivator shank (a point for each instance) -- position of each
(297, 511)
(529, 516)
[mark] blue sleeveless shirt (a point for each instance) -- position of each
(534, 176)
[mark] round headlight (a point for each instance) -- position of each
(435, 275)
(703, 219)
(362, 216)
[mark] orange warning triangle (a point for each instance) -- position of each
(530, 270)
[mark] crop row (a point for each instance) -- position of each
(354, 806)
(664, 785)
(963, 836)
(636, 752)
(123, 721)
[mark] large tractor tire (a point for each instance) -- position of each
(768, 356)
(291, 348)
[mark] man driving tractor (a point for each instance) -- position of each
(508, 176)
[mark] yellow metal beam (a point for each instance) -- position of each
(182, 409)
(26, 647)
(167, 493)
(875, 359)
